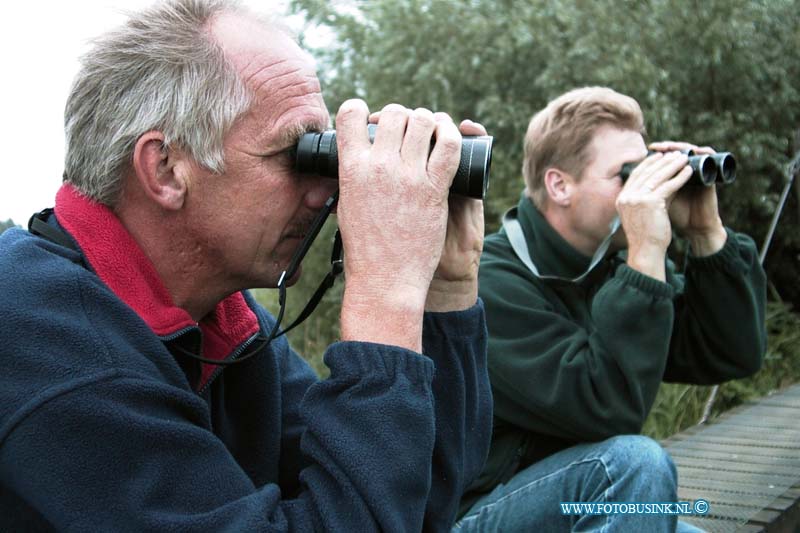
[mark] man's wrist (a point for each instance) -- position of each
(703, 244)
(444, 296)
(649, 260)
(386, 315)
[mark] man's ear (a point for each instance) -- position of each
(559, 185)
(159, 171)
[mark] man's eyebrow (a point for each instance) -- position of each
(292, 133)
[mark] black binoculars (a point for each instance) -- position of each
(317, 154)
(706, 169)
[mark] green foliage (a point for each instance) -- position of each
(720, 72)
(676, 407)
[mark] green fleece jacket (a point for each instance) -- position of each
(573, 363)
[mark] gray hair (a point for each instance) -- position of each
(162, 70)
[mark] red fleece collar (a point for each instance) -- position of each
(122, 265)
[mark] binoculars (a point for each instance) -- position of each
(706, 169)
(317, 153)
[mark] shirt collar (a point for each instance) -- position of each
(550, 252)
(121, 264)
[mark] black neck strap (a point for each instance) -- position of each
(38, 225)
(337, 267)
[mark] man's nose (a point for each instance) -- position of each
(319, 190)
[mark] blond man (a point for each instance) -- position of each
(587, 316)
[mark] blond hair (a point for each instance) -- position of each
(559, 135)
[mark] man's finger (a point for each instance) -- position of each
(468, 127)
(446, 153)
(417, 141)
(672, 186)
(351, 129)
(391, 128)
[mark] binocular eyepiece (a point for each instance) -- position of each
(706, 169)
(317, 153)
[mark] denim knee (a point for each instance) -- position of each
(641, 458)
(642, 452)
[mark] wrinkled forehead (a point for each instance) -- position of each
(281, 76)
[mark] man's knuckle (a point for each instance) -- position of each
(381, 168)
(393, 108)
(423, 117)
(351, 107)
(449, 143)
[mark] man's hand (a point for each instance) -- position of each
(693, 212)
(455, 283)
(393, 215)
(642, 206)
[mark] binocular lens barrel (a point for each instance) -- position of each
(317, 153)
(726, 167)
(706, 169)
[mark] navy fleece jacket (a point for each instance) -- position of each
(106, 425)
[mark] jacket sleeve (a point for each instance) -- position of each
(553, 376)
(456, 342)
(378, 449)
(720, 332)
(124, 452)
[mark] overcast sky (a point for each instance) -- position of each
(40, 43)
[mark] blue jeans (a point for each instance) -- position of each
(627, 468)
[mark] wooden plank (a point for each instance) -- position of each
(782, 504)
(788, 522)
(753, 489)
(765, 413)
(780, 402)
(737, 432)
(763, 427)
(721, 525)
(714, 456)
(733, 477)
(765, 416)
(733, 453)
(793, 492)
(743, 515)
(750, 528)
(743, 437)
(779, 504)
(733, 424)
(766, 517)
(742, 468)
(746, 464)
(775, 408)
(734, 449)
(753, 442)
(722, 496)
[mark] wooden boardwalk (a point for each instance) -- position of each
(746, 464)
